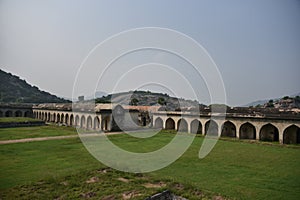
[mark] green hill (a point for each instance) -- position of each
(147, 98)
(15, 90)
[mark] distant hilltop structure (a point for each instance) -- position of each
(285, 103)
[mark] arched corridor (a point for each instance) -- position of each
(82, 122)
(182, 125)
(18, 113)
(77, 123)
(196, 127)
(211, 128)
(89, 122)
(158, 123)
(58, 118)
(62, 118)
(291, 135)
(170, 124)
(247, 131)
(71, 120)
(269, 133)
(228, 129)
(96, 123)
(67, 119)
(105, 123)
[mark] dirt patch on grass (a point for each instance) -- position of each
(94, 179)
(109, 197)
(65, 183)
(104, 171)
(88, 195)
(218, 198)
(155, 185)
(178, 186)
(124, 180)
(130, 195)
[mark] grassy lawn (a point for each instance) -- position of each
(64, 168)
(17, 119)
(35, 131)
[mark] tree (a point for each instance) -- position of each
(285, 97)
(134, 102)
(161, 101)
(270, 104)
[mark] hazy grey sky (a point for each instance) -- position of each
(254, 43)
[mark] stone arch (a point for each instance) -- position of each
(158, 123)
(71, 120)
(67, 119)
(43, 116)
(18, 113)
(28, 114)
(89, 122)
(182, 125)
(58, 118)
(291, 135)
(77, 123)
(105, 123)
(62, 118)
(53, 117)
(82, 121)
(247, 131)
(49, 117)
(269, 132)
(211, 128)
(196, 127)
(170, 124)
(228, 129)
(96, 123)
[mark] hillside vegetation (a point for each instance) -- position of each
(15, 90)
(147, 98)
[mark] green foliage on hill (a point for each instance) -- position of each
(146, 98)
(15, 90)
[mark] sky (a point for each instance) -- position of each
(254, 44)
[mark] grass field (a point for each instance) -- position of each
(35, 131)
(17, 119)
(64, 169)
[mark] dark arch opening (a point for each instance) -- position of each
(71, 119)
(62, 118)
(18, 113)
(49, 117)
(158, 123)
(182, 125)
(269, 133)
(8, 113)
(247, 131)
(82, 122)
(53, 117)
(89, 122)
(28, 114)
(1, 113)
(211, 128)
(228, 129)
(77, 121)
(105, 123)
(67, 119)
(196, 127)
(58, 118)
(96, 123)
(170, 124)
(291, 135)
